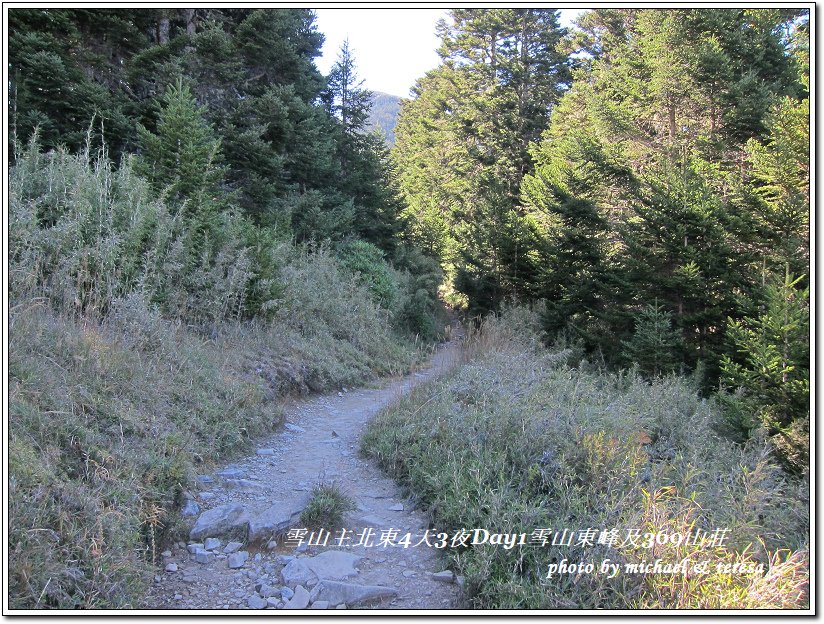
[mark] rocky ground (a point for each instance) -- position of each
(245, 552)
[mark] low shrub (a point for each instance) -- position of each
(416, 310)
(367, 262)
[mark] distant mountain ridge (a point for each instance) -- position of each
(384, 115)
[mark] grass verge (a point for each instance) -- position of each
(518, 440)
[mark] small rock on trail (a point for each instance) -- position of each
(300, 600)
(350, 594)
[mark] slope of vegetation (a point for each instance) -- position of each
(200, 223)
(521, 439)
(132, 366)
(661, 211)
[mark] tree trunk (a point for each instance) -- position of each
(163, 29)
(191, 21)
(673, 129)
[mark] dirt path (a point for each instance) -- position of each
(319, 442)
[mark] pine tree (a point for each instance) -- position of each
(66, 67)
(182, 158)
(652, 137)
(181, 162)
(462, 146)
(346, 97)
(570, 198)
(365, 178)
(656, 346)
(780, 173)
(771, 367)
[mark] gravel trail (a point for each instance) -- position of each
(318, 443)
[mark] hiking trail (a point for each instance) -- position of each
(263, 494)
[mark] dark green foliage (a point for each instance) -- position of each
(781, 185)
(418, 311)
(367, 262)
(181, 159)
(683, 247)
(463, 148)
(293, 147)
(66, 67)
(656, 347)
(346, 97)
(770, 366)
(640, 187)
(676, 170)
(362, 159)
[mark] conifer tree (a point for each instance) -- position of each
(771, 367)
(653, 136)
(182, 158)
(655, 346)
(463, 145)
(346, 97)
(365, 180)
(181, 162)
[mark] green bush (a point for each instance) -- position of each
(416, 310)
(84, 233)
(655, 346)
(367, 262)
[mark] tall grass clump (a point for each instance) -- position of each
(148, 343)
(327, 507)
(519, 439)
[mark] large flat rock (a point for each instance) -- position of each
(277, 519)
(226, 520)
(336, 592)
(333, 565)
(297, 573)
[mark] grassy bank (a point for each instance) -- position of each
(518, 439)
(142, 353)
(110, 423)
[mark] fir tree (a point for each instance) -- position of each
(365, 178)
(656, 346)
(770, 366)
(182, 158)
(463, 145)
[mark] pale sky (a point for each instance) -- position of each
(392, 47)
